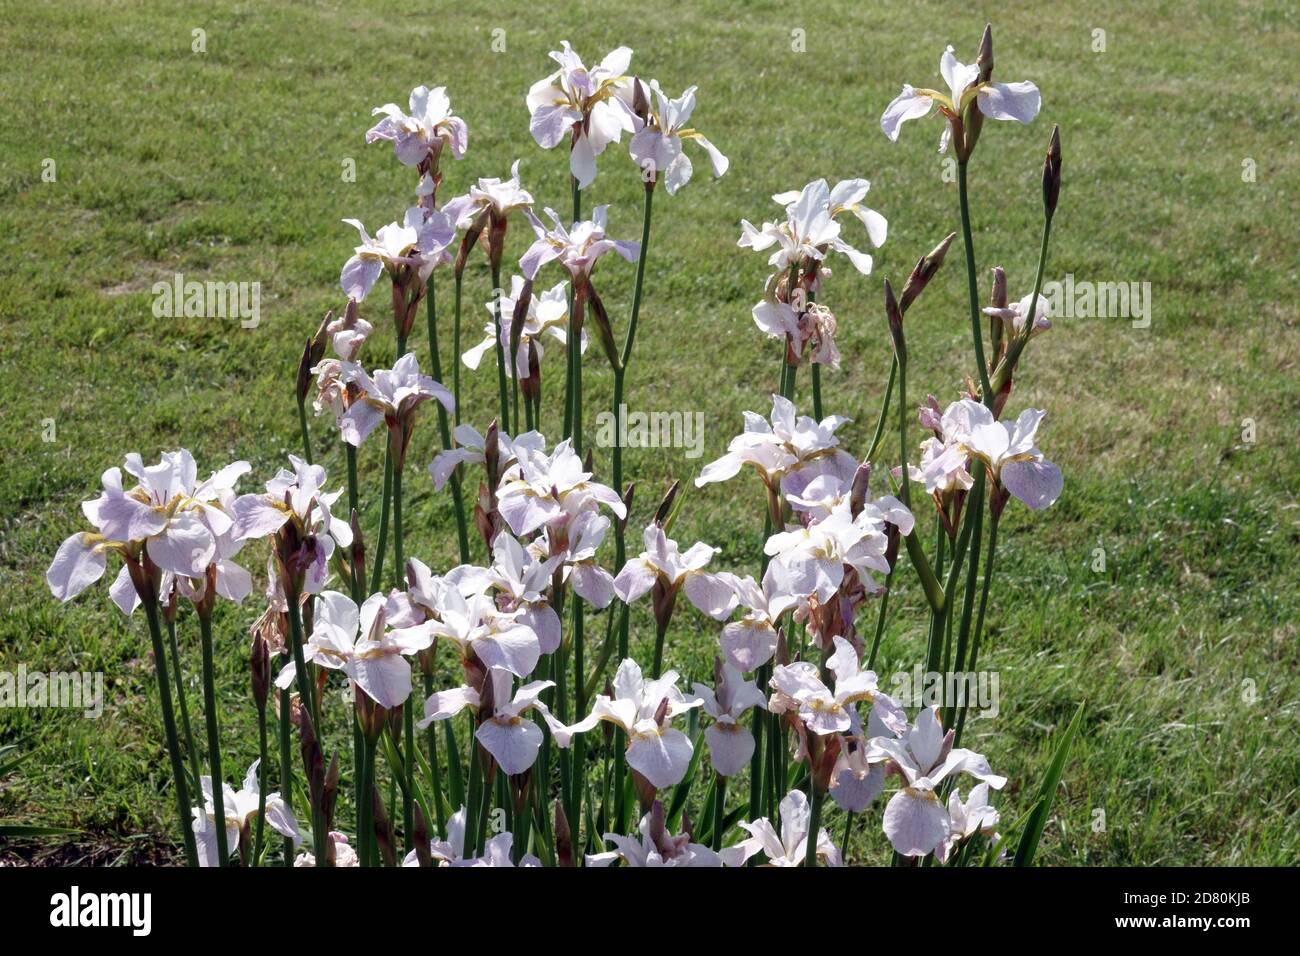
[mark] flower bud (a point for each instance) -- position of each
(984, 60)
(421, 837)
(924, 271)
(383, 829)
(331, 791)
(665, 510)
(603, 329)
(358, 548)
(860, 488)
(1052, 173)
(259, 666)
(563, 837)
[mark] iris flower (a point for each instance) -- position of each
(240, 807)
(811, 228)
(789, 847)
(915, 820)
(589, 104)
(657, 145)
(507, 734)
(420, 241)
(548, 314)
(642, 709)
(654, 846)
(423, 131)
(1000, 101)
(799, 689)
(577, 248)
(731, 743)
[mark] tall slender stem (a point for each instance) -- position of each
(214, 739)
(972, 284)
(500, 350)
(814, 826)
(302, 429)
(377, 574)
(169, 728)
(191, 751)
(979, 622)
(262, 773)
(455, 358)
(286, 767)
(719, 809)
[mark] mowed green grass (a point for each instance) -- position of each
(228, 165)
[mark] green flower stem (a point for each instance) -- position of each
(455, 358)
(934, 593)
(884, 412)
(308, 698)
(169, 728)
(968, 598)
(817, 390)
(302, 428)
(286, 768)
(979, 621)
(190, 750)
(366, 809)
(972, 284)
(844, 841)
(377, 574)
(719, 810)
(214, 739)
(880, 623)
(262, 773)
(814, 825)
(500, 350)
(435, 769)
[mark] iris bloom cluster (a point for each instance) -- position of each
(483, 723)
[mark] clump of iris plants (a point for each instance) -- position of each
(551, 747)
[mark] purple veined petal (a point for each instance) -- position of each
(234, 583)
(549, 125)
(186, 547)
(730, 747)
(386, 678)
(516, 650)
(359, 275)
(514, 744)
(724, 469)
(582, 162)
(661, 757)
(915, 822)
(678, 173)
(545, 623)
(711, 595)
(593, 584)
(854, 791)
(536, 256)
(123, 592)
(907, 105)
(447, 703)
(1010, 101)
(76, 566)
(1037, 483)
(359, 421)
(635, 580)
(256, 517)
(120, 517)
(748, 647)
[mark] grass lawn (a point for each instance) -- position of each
(229, 165)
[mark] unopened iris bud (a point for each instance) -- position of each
(998, 298)
(924, 271)
(331, 791)
(603, 329)
(259, 666)
(563, 837)
(984, 60)
(1052, 173)
(665, 510)
(860, 488)
(467, 241)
